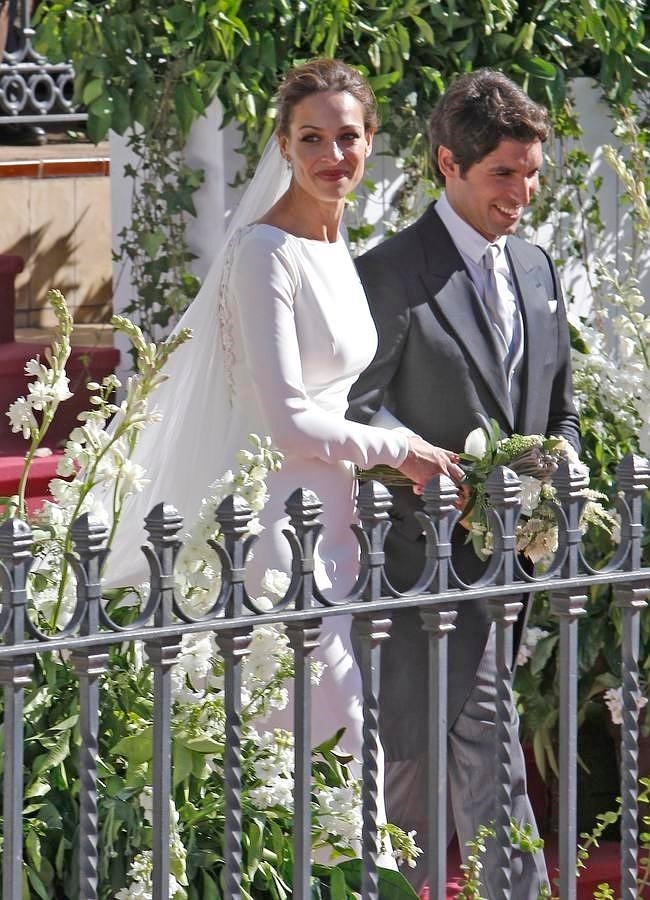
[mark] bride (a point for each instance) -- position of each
(281, 332)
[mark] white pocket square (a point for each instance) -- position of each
(552, 306)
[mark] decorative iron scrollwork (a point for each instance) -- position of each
(32, 89)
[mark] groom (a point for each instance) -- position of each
(471, 324)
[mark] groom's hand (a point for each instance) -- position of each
(424, 460)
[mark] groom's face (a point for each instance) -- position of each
(493, 193)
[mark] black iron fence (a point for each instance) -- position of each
(32, 89)
(162, 622)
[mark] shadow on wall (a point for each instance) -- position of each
(56, 264)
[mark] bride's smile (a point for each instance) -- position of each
(326, 146)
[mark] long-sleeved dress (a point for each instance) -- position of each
(300, 335)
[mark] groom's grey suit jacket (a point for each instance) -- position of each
(438, 369)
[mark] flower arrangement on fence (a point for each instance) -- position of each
(96, 471)
(535, 459)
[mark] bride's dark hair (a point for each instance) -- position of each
(324, 75)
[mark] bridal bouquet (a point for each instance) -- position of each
(535, 460)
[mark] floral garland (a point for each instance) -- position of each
(535, 460)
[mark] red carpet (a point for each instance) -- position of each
(43, 469)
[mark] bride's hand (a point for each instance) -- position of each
(424, 460)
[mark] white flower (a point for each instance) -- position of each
(35, 368)
(42, 393)
(195, 660)
(66, 466)
(264, 603)
(141, 885)
(22, 418)
(532, 637)
(530, 491)
(61, 389)
(132, 478)
(614, 702)
(408, 851)
(273, 767)
(338, 810)
(276, 583)
(476, 443)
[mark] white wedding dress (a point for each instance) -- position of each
(278, 343)
(301, 335)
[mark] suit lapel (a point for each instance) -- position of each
(533, 298)
(451, 293)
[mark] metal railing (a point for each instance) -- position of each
(437, 594)
(32, 89)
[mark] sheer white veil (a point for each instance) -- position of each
(183, 454)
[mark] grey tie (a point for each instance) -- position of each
(501, 311)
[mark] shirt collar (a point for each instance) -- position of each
(468, 241)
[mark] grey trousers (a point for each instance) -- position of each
(472, 787)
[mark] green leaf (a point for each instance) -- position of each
(338, 887)
(210, 890)
(136, 748)
(121, 119)
(66, 724)
(425, 29)
(37, 788)
(38, 885)
(183, 761)
(255, 832)
(33, 848)
(183, 107)
(392, 884)
(152, 242)
(535, 65)
(543, 652)
(92, 91)
(330, 743)
(204, 745)
(59, 752)
(380, 83)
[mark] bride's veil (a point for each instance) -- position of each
(184, 453)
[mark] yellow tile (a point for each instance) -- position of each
(92, 253)
(14, 232)
(54, 239)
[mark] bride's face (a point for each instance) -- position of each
(327, 144)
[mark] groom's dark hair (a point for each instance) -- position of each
(476, 112)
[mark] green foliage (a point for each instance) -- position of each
(125, 760)
(612, 380)
(158, 65)
(123, 52)
(154, 241)
(591, 839)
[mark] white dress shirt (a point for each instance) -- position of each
(472, 246)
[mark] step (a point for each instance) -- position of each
(42, 471)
